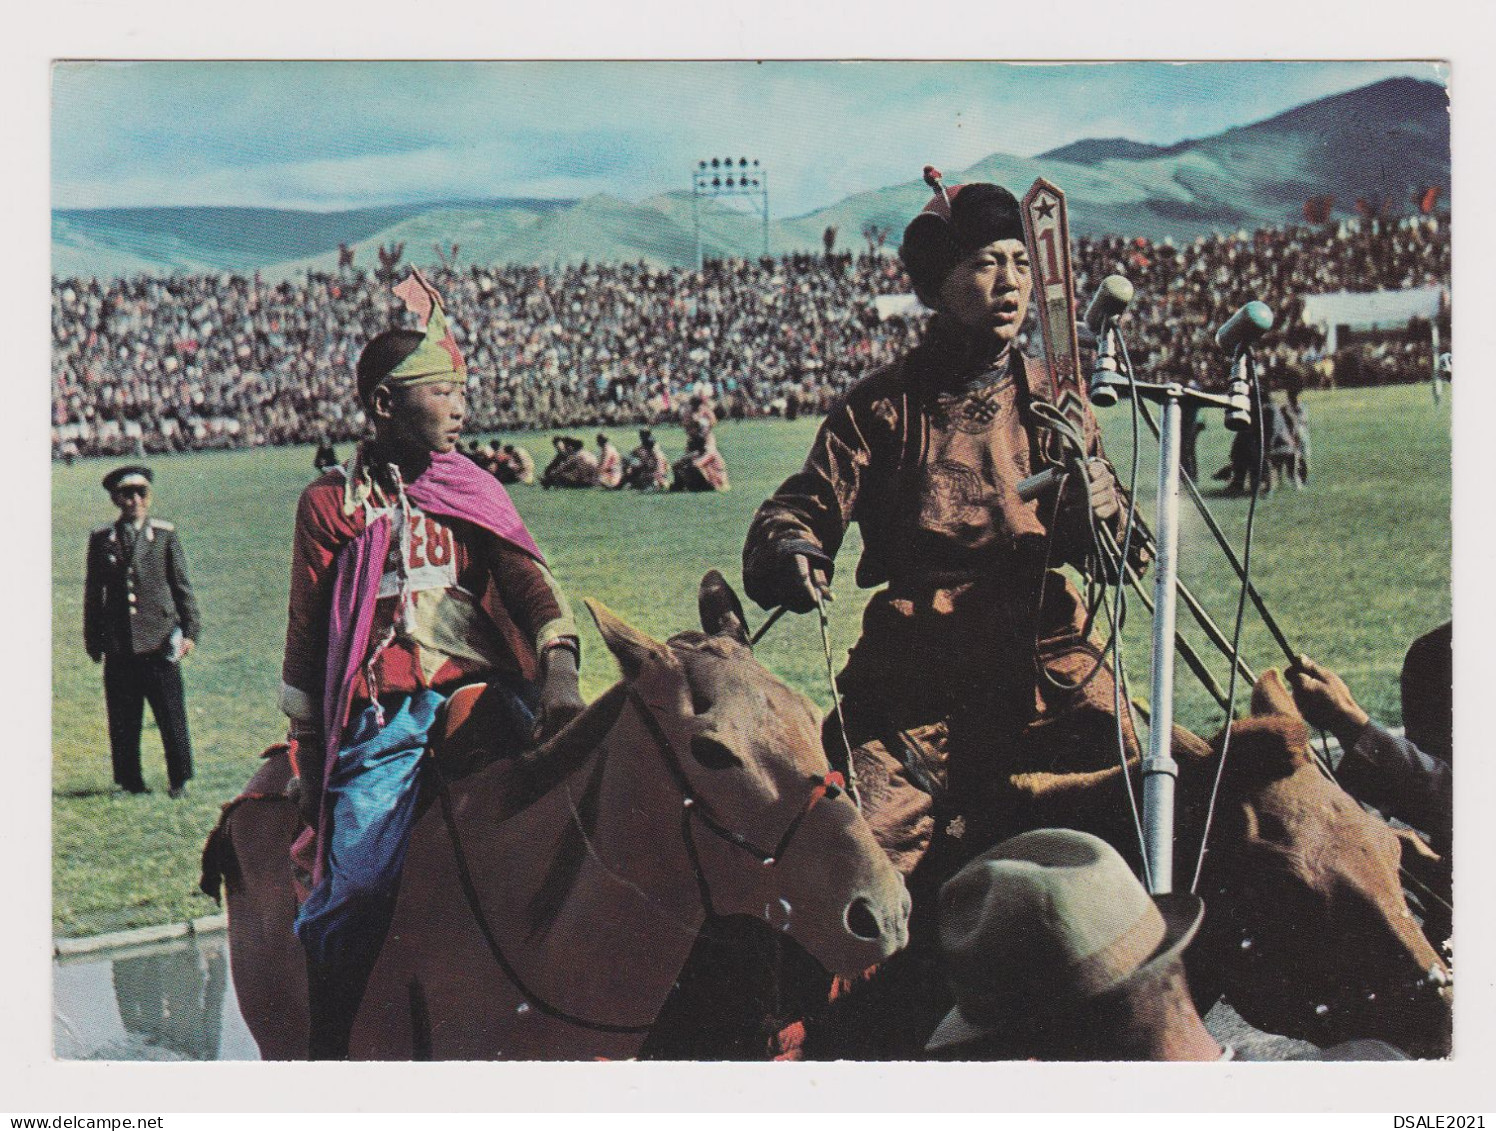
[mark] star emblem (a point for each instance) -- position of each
(1046, 207)
(956, 827)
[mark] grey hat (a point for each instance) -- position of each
(1045, 922)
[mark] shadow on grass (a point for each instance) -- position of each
(94, 791)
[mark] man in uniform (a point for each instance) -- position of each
(140, 619)
(974, 665)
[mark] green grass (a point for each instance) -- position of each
(1353, 568)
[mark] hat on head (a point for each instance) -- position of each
(133, 476)
(957, 221)
(437, 358)
(1045, 922)
(646, 436)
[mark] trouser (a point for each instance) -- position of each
(372, 790)
(129, 683)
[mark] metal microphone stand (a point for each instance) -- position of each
(1159, 768)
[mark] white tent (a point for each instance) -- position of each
(897, 306)
(1374, 310)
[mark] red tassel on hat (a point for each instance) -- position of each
(937, 186)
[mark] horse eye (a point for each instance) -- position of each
(712, 754)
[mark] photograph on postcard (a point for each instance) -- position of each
(751, 561)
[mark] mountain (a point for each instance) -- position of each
(1089, 151)
(1380, 141)
(248, 239)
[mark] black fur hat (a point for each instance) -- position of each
(944, 234)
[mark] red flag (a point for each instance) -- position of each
(1317, 209)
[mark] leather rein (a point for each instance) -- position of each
(830, 785)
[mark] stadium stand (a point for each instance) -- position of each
(148, 364)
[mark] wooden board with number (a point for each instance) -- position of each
(1047, 229)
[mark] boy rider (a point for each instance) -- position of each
(412, 575)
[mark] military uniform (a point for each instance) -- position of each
(136, 595)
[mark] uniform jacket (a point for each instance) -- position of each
(136, 590)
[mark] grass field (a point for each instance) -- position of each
(1353, 568)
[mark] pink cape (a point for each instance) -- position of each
(452, 487)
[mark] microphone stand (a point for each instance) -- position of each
(1160, 770)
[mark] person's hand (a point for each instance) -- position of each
(804, 578)
(1325, 701)
(560, 698)
(306, 788)
(187, 646)
(1103, 494)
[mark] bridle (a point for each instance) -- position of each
(830, 785)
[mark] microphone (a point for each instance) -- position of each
(1111, 299)
(1245, 327)
(1236, 335)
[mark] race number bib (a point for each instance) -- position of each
(430, 558)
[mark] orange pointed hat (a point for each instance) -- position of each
(437, 358)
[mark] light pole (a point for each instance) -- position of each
(726, 176)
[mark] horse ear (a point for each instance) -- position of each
(632, 648)
(721, 611)
(1271, 696)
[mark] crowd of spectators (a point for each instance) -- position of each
(182, 362)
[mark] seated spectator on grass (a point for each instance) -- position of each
(609, 463)
(574, 465)
(701, 468)
(647, 468)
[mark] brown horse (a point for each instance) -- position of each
(1307, 931)
(696, 786)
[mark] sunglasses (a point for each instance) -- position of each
(127, 492)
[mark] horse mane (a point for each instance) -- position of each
(539, 770)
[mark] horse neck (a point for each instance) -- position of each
(619, 888)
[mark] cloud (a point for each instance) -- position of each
(329, 135)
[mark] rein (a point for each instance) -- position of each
(475, 905)
(829, 785)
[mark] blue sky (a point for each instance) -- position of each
(335, 135)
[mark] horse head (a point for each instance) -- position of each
(770, 828)
(1309, 928)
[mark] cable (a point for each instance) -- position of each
(1241, 609)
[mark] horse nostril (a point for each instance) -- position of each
(861, 921)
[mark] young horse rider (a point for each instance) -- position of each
(974, 663)
(411, 575)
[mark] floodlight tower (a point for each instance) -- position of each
(726, 176)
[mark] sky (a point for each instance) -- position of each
(330, 135)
